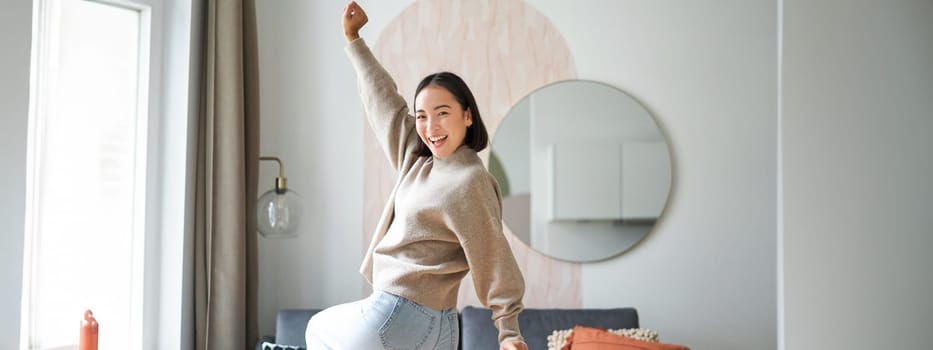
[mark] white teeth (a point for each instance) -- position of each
(437, 138)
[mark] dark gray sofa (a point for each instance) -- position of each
(477, 331)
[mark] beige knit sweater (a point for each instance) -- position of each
(443, 218)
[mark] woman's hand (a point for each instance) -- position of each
(354, 18)
(513, 345)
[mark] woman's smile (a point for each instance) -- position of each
(438, 141)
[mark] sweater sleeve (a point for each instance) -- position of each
(477, 221)
(386, 110)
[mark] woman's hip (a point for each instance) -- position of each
(384, 320)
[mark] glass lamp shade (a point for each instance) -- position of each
(278, 214)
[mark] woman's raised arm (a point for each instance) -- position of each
(386, 110)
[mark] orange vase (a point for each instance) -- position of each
(88, 339)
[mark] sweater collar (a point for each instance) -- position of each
(462, 155)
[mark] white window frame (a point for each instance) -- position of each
(172, 100)
(42, 22)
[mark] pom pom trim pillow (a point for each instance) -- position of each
(586, 338)
(558, 338)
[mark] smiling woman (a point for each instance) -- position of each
(443, 222)
(502, 59)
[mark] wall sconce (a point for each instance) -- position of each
(278, 211)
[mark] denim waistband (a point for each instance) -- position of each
(379, 293)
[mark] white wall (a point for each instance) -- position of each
(705, 278)
(173, 294)
(857, 166)
(312, 119)
(15, 37)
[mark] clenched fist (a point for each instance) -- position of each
(354, 18)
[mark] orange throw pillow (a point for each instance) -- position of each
(587, 338)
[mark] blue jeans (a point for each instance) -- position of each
(383, 321)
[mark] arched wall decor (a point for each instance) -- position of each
(504, 49)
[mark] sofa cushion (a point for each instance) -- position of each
(479, 332)
(290, 326)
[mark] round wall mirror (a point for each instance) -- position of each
(584, 169)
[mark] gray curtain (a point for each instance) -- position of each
(225, 257)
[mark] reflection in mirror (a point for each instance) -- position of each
(584, 169)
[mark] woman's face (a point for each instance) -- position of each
(440, 120)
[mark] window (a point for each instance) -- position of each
(87, 157)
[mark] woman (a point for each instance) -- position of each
(442, 220)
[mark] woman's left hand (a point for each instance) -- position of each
(513, 345)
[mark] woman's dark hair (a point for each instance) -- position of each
(476, 136)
